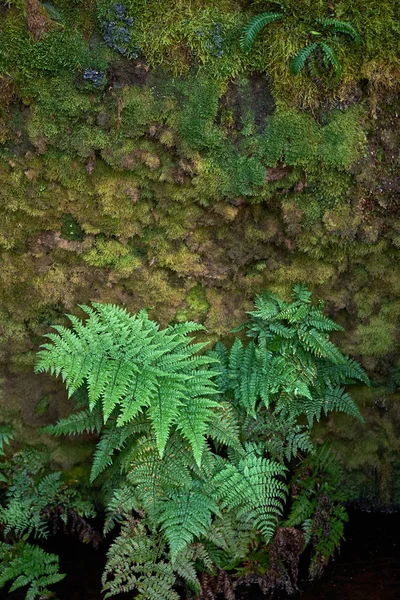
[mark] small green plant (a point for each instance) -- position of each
(319, 55)
(29, 566)
(199, 448)
(255, 25)
(35, 504)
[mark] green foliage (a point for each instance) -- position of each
(318, 507)
(305, 369)
(131, 366)
(141, 568)
(328, 56)
(340, 27)
(301, 57)
(31, 496)
(258, 22)
(254, 26)
(27, 565)
(184, 504)
(34, 504)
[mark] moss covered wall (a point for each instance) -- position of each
(191, 186)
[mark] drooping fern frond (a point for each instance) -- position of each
(255, 486)
(185, 516)
(318, 506)
(185, 568)
(133, 564)
(77, 423)
(254, 26)
(122, 502)
(29, 566)
(298, 61)
(340, 27)
(330, 59)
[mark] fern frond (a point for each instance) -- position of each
(184, 516)
(299, 60)
(254, 26)
(112, 439)
(254, 485)
(121, 503)
(340, 27)
(339, 400)
(77, 423)
(330, 59)
(130, 365)
(133, 565)
(224, 427)
(194, 417)
(321, 322)
(185, 567)
(28, 565)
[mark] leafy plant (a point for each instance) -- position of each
(27, 565)
(194, 482)
(321, 52)
(254, 26)
(36, 504)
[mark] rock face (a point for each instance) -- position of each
(181, 193)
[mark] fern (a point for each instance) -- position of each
(132, 564)
(27, 565)
(330, 59)
(340, 27)
(131, 366)
(254, 26)
(185, 516)
(301, 57)
(317, 506)
(197, 446)
(253, 485)
(31, 497)
(77, 423)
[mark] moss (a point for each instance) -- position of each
(188, 194)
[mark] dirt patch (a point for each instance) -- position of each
(38, 20)
(254, 96)
(124, 72)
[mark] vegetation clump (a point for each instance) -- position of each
(200, 448)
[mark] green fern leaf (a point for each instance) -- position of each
(77, 423)
(253, 485)
(185, 516)
(299, 60)
(330, 59)
(341, 27)
(254, 26)
(28, 565)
